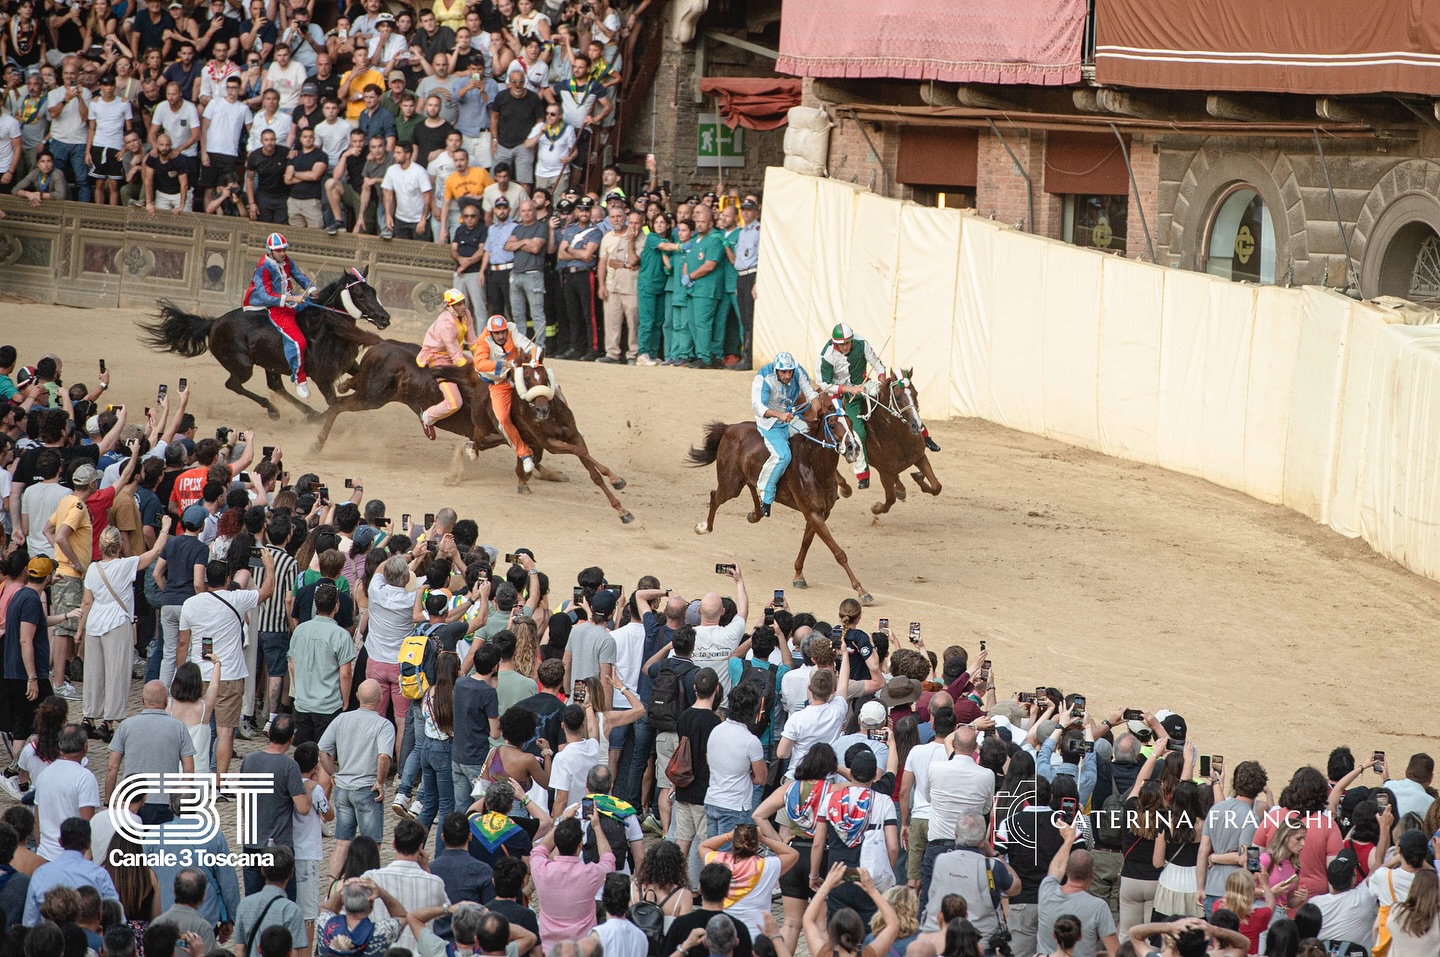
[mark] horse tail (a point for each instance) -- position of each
(701, 457)
(178, 331)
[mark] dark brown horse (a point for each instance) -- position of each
(738, 453)
(244, 338)
(894, 439)
(388, 373)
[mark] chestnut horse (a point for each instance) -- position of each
(388, 373)
(894, 441)
(738, 453)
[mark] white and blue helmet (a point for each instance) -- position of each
(785, 362)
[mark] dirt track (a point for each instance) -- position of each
(1275, 638)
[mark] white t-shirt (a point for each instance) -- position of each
(550, 155)
(259, 123)
(918, 764)
(333, 138)
(181, 123)
(227, 124)
(109, 119)
(287, 82)
(38, 503)
(731, 752)
(209, 615)
(309, 842)
(751, 909)
(410, 186)
(68, 127)
(795, 688)
(102, 831)
(714, 644)
(105, 613)
(1349, 915)
(9, 130)
(61, 790)
(817, 723)
(629, 656)
(620, 938)
(572, 766)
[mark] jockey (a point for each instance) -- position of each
(846, 362)
(278, 283)
(775, 395)
(445, 343)
(508, 347)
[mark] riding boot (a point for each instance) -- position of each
(930, 443)
(765, 509)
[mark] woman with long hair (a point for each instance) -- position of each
(1139, 877)
(1176, 850)
(437, 712)
(362, 855)
(510, 761)
(1414, 923)
(1019, 778)
(664, 880)
(1281, 863)
(1239, 899)
(527, 646)
(798, 807)
(1304, 800)
(906, 739)
(843, 935)
(107, 620)
(1282, 939)
(753, 877)
(192, 702)
(43, 747)
(12, 577)
(135, 885)
(906, 904)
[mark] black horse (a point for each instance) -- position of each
(244, 338)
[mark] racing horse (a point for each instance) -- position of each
(738, 453)
(894, 440)
(388, 373)
(243, 338)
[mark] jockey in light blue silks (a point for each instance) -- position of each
(778, 395)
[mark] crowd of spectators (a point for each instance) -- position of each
(588, 768)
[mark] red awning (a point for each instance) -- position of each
(756, 103)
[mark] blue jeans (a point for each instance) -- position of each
(359, 812)
(632, 776)
(71, 158)
(437, 788)
(410, 756)
(722, 820)
(462, 780)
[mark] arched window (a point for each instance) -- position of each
(1241, 244)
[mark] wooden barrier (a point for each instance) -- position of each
(90, 256)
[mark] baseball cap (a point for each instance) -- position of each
(692, 199)
(872, 714)
(384, 18)
(603, 602)
(1341, 871)
(194, 517)
(39, 567)
(395, 75)
(365, 535)
(92, 425)
(311, 89)
(1173, 724)
(85, 474)
(502, 201)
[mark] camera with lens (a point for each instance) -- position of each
(998, 943)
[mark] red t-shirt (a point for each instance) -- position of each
(189, 487)
(1251, 926)
(1322, 841)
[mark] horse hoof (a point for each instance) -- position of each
(273, 412)
(845, 490)
(878, 508)
(799, 583)
(626, 519)
(618, 484)
(752, 517)
(470, 452)
(919, 478)
(867, 599)
(523, 489)
(701, 528)
(900, 491)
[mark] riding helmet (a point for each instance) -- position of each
(841, 334)
(276, 241)
(496, 323)
(453, 296)
(784, 362)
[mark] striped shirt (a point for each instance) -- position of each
(272, 612)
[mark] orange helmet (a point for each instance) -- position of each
(497, 323)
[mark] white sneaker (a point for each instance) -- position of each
(11, 786)
(302, 389)
(646, 361)
(528, 464)
(416, 807)
(67, 690)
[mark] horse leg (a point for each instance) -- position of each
(799, 580)
(274, 383)
(354, 402)
(842, 485)
(523, 488)
(891, 484)
(616, 482)
(727, 486)
(236, 384)
(817, 522)
(925, 477)
(597, 473)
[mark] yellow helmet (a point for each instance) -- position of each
(453, 296)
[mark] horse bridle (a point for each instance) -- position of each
(898, 406)
(543, 391)
(344, 296)
(830, 441)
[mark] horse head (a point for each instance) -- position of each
(536, 385)
(358, 298)
(903, 398)
(834, 425)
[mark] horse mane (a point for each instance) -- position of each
(345, 328)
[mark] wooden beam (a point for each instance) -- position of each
(1246, 109)
(1086, 100)
(979, 98)
(936, 94)
(1330, 108)
(827, 92)
(1129, 104)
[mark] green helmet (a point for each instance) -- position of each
(841, 334)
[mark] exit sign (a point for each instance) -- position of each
(717, 145)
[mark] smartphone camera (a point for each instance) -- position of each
(914, 632)
(1205, 765)
(1252, 859)
(1379, 757)
(724, 569)
(512, 558)
(405, 521)
(1133, 714)
(183, 383)
(429, 519)
(779, 598)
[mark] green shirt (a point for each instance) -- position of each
(727, 268)
(653, 275)
(405, 129)
(679, 295)
(310, 576)
(317, 649)
(703, 249)
(7, 384)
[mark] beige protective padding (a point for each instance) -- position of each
(1127, 383)
(1299, 397)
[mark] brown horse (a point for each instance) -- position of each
(893, 442)
(738, 453)
(388, 373)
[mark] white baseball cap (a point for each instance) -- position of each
(872, 714)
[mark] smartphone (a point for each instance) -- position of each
(587, 807)
(102, 366)
(982, 644)
(836, 638)
(183, 382)
(1041, 693)
(429, 519)
(1177, 746)
(147, 412)
(1252, 859)
(852, 875)
(512, 558)
(577, 594)
(578, 693)
(779, 597)
(245, 478)
(1218, 763)
(207, 647)
(266, 451)
(1205, 765)
(1382, 800)
(1133, 714)
(404, 521)
(349, 483)
(1069, 806)
(1077, 708)
(883, 624)
(1026, 697)
(163, 389)
(724, 569)
(878, 734)
(1379, 762)
(769, 616)
(1087, 747)
(914, 632)
(324, 492)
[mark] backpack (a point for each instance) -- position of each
(666, 701)
(417, 660)
(650, 918)
(763, 680)
(1109, 823)
(615, 834)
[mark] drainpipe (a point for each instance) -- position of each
(1352, 278)
(1029, 184)
(1139, 204)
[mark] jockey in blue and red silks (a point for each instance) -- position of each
(274, 285)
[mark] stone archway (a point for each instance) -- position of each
(1209, 180)
(1401, 215)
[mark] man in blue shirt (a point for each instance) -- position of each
(375, 120)
(474, 92)
(498, 260)
(747, 260)
(71, 869)
(467, 248)
(222, 895)
(775, 397)
(576, 259)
